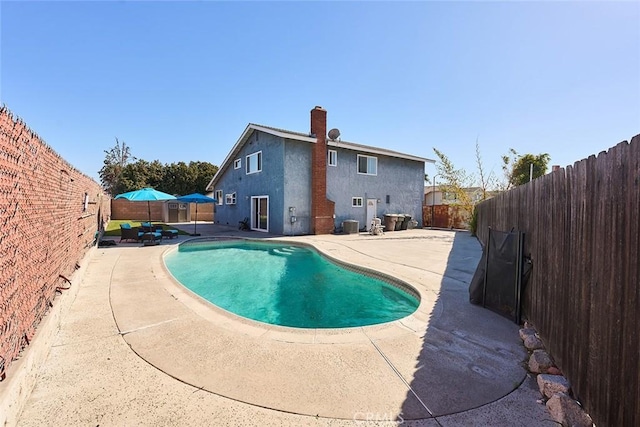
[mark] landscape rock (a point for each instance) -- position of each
(532, 342)
(554, 371)
(552, 384)
(567, 411)
(540, 362)
(526, 332)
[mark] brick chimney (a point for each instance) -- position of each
(322, 209)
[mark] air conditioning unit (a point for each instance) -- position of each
(350, 226)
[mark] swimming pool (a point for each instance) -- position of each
(287, 284)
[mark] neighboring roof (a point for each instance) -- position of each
(304, 137)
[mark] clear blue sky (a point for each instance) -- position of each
(179, 81)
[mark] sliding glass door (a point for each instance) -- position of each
(260, 213)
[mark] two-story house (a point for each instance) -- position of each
(294, 183)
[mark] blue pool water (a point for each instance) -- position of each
(286, 285)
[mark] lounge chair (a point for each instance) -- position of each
(152, 238)
(147, 227)
(129, 233)
(170, 234)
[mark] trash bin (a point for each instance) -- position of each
(390, 222)
(405, 223)
(350, 226)
(399, 222)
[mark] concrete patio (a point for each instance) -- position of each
(136, 348)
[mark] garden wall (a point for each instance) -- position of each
(582, 231)
(50, 216)
(139, 211)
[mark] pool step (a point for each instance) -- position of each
(279, 252)
(290, 249)
(284, 251)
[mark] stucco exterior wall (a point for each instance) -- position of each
(266, 183)
(402, 180)
(297, 185)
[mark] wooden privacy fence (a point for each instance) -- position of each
(582, 229)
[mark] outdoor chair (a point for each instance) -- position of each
(244, 224)
(147, 227)
(376, 227)
(129, 233)
(170, 234)
(151, 238)
(151, 234)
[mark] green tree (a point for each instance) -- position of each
(122, 173)
(178, 178)
(142, 174)
(457, 182)
(454, 181)
(204, 172)
(175, 178)
(155, 175)
(517, 167)
(114, 163)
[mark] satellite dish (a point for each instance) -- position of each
(334, 134)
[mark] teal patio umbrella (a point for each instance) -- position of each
(147, 194)
(196, 198)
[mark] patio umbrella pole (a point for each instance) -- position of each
(195, 225)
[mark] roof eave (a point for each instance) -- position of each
(227, 160)
(283, 134)
(380, 151)
(251, 127)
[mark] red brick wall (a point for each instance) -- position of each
(44, 230)
(322, 209)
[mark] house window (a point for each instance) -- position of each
(237, 163)
(356, 202)
(254, 162)
(231, 198)
(333, 158)
(367, 165)
(218, 196)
